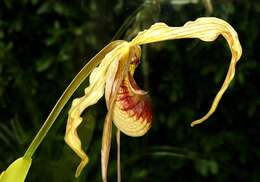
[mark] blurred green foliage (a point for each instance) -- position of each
(43, 44)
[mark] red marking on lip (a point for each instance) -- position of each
(135, 102)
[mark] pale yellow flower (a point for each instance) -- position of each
(128, 106)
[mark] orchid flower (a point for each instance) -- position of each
(129, 107)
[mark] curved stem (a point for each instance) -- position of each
(80, 77)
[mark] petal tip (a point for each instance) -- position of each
(83, 163)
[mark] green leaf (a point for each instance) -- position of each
(17, 171)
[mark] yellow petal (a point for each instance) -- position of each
(122, 56)
(92, 94)
(206, 29)
(111, 76)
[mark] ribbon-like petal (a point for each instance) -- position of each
(206, 29)
(93, 93)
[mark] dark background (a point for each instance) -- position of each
(43, 44)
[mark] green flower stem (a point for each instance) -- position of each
(80, 77)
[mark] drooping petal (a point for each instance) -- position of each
(206, 29)
(115, 75)
(93, 93)
(106, 144)
(110, 80)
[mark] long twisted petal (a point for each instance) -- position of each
(92, 94)
(122, 55)
(206, 29)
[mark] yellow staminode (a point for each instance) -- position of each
(107, 77)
